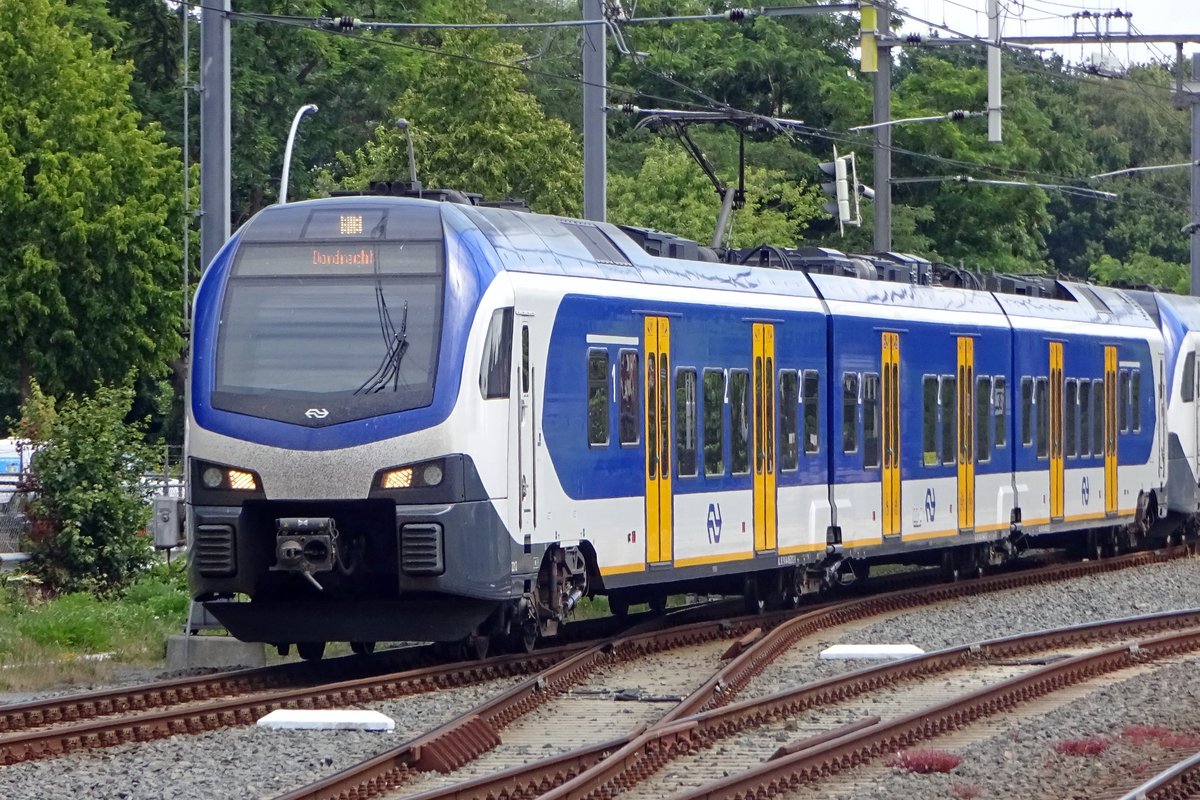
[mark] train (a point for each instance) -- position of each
(423, 419)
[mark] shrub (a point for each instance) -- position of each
(1091, 746)
(1139, 735)
(924, 761)
(88, 521)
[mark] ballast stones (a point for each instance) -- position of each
(340, 719)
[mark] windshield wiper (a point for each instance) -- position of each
(397, 346)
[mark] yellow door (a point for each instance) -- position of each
(1056, 432)
(658, 440)
(966, 434)
(891, 434)
(1110, 431)
(764, 437)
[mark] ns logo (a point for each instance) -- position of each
(317, 413)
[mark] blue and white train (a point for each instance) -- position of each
(421, 420)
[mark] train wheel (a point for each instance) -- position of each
(310, 651)
(658, 603)
(476, 646)
(526, 638)
(754, 598)
(283, 648)
(618, 604)
(362, 648)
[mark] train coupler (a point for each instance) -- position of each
(305, 545)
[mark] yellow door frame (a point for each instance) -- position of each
(890, 433)
(966, 434)
(1057, 477)
(1110, 430)
(657, 391)
(764, 457)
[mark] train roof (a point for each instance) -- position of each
(545, 244)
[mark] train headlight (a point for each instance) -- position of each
(424, 475)
(432, 474)
(216, 478)
(397, 478)
(242, 481)
(212, 478)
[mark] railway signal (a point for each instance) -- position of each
(845, 190)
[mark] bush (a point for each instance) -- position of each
(87, 530)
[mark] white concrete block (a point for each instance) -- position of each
(870, 651)
(341, 719)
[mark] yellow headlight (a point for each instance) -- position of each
(242, 481)
(397, 479)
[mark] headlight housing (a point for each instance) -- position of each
(424, 475)
(209, 477)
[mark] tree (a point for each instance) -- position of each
(90, 264)
(90, 509)
(671, 193)
(499, 144)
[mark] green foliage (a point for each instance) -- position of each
(88, 520)
(670, 192)
(89, 276)
(1142, 271)
(500, 144)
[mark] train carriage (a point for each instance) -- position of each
(419, 420)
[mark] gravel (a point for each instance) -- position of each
(257, 763)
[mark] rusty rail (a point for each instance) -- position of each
(1178, 782)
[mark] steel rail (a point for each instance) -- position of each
(1178, 782)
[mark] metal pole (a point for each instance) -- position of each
(184, 10)
(595, 132)
(994, 98)
(883, 138)
(1195, 226)
(287, 151)
(215, 136)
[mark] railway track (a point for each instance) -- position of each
(608, 765)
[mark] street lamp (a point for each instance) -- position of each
(287, 153)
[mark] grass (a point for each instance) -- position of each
(79, 638)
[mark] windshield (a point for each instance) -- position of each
(325, 332)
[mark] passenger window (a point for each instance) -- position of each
(1000, 404)
(849, 412)
(789, 420)
(739, 421)
(1042, 401)
(597, 397)
(1026, 411)
(1135, 400)
(929, 432)
(627, 407)
(1098, 417)
(948, 406)
(1085, 418)
(812, 411)
(495, 370)
(983, 430)
(714, 422)
(1070, 418)
(1187, 387)
(1123, 401)
(524, 359)
(870, 411)
(685, 422)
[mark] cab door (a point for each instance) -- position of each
(1110, 430)
(765, 529)
(1056, 432)
(966, 434)
(657, 391)
(891, 433)
(526, 430)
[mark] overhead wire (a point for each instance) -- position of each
(709, 103)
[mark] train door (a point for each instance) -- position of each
(966, 434)
(1110, 430)
(1056, 432)
(764, 437)
(526, 431)
(658, 440)
(891, 434)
